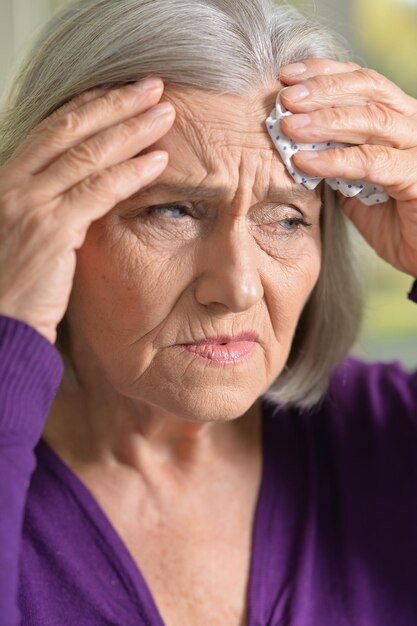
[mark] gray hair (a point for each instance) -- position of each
(229, 46)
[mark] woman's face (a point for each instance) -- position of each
(222, 243)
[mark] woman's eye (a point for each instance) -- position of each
(173, 210)
(291, 223)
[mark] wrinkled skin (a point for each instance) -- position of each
(175, 277)
(241, 260)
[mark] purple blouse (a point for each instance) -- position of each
(335, 531)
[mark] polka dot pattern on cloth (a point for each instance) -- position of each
(367, 193)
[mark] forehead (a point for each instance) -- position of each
(220, 140)
(238, 119)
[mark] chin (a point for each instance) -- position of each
(194, 390)
(207, 404)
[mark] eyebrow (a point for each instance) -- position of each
(297, 192)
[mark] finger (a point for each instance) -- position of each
(396, 170)
(294, 72)
(357, 87)
(104, 150)
(374, 124)
(70, 105)
(58, 133)
(97, 195)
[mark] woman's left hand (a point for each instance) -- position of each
(351, 104)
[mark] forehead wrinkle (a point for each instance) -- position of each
(211, 180)
(253, 107)
(199, 191)
(220, 120)
(212, 148)
(215, 134)
(186, 134)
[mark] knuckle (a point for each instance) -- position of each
(384, 155)
(374, 159)
(130, 127)
(380, 117)
(70, 123)
(53, 125)
(374, 79)
(365, 159)
(341, 157)
(85, 155)
(114, 99)
(70, 104)
(333, 118)
(332, 83)
(328, 85)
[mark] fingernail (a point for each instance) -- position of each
(297, 121)
(148, 84)
(294, 69)
(164, 108)
(157, 163)
(296, 93)
(159, 157)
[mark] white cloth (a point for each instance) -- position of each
(368, 193)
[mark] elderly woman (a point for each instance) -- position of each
(183, 441)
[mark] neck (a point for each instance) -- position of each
(90, 423)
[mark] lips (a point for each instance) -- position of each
(225, 349)
(245, 336)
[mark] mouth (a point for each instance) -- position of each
(246, 336)
(225, 349)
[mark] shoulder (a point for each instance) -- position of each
(356, 387)
(364, 402)
(376, 390)
(360, 440)
(348, 469)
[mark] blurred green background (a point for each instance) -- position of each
(381, 34)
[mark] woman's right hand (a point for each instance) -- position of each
(72, 169)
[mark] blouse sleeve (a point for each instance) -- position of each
(377, 390)
(31, 370)
(412, 294)
(360, 451)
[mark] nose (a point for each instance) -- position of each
(229, 276)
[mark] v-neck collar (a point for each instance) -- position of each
(133, 577)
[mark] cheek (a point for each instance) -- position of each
(124, 284)
(288, 286)
(127, 284)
